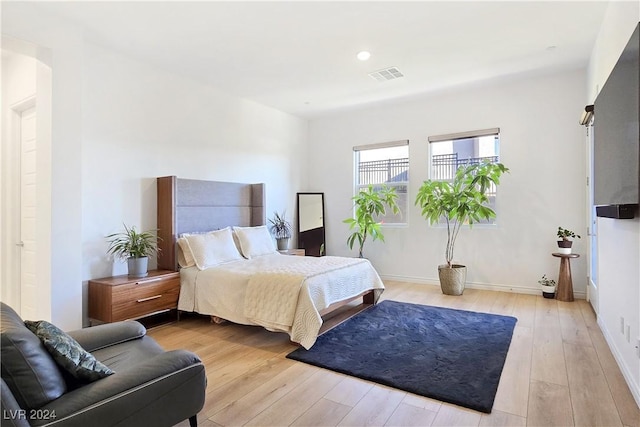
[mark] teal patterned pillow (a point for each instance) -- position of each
(67, 353)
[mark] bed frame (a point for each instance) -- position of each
(189, 205)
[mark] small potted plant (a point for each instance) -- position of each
(280, 229)
(564, 245)
(134, 247)
(548, 287)
(370, 203)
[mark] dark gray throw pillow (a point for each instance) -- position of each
(68, 353)
(28, 369)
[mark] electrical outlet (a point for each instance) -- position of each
(621, 325)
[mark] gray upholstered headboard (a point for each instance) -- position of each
(190, 205)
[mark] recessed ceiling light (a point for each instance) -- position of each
(363, 56)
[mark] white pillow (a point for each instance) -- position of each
(212, 248)
(254, 241)
(185, 257)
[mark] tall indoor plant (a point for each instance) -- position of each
(461, 201)
(135, 247)
(281, 230)
(370, 203)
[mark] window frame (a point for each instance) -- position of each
(467, 135)
(357, 186)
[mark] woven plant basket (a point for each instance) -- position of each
(452, 279)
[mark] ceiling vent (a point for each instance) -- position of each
(386, 74)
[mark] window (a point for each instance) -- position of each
(449, 152)
(385, 164)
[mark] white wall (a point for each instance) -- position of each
(618, 240)
(140, 123)
(542, 144)
(59, 46)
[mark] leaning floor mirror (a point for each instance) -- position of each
(311, 236)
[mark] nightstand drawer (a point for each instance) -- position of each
(112, 299)
(137, 300)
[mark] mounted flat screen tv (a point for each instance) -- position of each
(617, 137)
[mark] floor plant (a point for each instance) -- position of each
(462, 201)
(370, 203)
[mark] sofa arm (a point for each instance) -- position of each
(176, 376)
(12, 414)
(108, 334)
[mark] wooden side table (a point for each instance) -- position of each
(298, 252)
(565, 284)
(122, 297)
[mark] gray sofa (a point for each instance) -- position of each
(150, 386)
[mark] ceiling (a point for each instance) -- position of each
(300, 57)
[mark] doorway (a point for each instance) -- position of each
(25, 217)
(592, 228)
(28, 294)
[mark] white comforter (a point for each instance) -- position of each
(279, 292)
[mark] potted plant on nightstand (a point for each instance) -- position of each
(548, 287)
(135, 247)
(564, 245)
(370, 203)
(463, 200)
(280, 229)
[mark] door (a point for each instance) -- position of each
(25, 182)
(592, 230)
(27, 243)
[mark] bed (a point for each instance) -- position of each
(244, 279)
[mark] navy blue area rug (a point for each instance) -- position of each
(455, 356)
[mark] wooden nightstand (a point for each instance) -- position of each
(112, 299)
(298, 252)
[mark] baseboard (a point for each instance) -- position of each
(529, 290)
(633, 386)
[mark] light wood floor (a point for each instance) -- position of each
(559, 372)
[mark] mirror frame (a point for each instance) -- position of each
(312, 248)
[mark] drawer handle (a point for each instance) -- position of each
(142, 282)
(150, 298)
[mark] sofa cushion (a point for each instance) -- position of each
(27, 367)
(68, 353)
